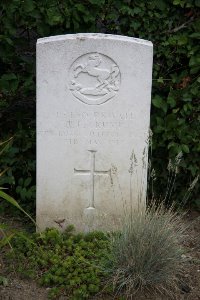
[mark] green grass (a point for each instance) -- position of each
(146, 253)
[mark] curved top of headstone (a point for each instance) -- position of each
(84, 36)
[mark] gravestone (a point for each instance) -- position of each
(93, 111)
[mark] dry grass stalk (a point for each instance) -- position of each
(146, 253)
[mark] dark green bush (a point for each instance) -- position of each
(173, 27)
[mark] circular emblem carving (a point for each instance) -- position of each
(94, 78)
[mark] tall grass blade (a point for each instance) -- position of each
(16, 204)
(6, 239)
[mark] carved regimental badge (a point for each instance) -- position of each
(94, 78)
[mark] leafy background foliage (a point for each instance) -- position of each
(173, 27)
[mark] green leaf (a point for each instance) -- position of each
(176, 2)
(54, 16)
(185, 148)
(20, 181)
(160, 80)
(9, 76)
(159, 103)
(4, 241)
(14, 203)
(80, 7)
(137, 10)
(194, 61)
(195, 70)
(9, 199)
(195, 35)
(171, 101)
(160, 121)
(179, 2)
(27, 181)
(18, 189)
(160, 4)
(28, 5)
(182, 40)
(9, 82)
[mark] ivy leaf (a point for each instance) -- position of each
(194, 61)
(159, 103)
(160, 80)
(9, 82)
(27, 181)
(185, 148)
(54, 17)
(80, 7)
(171, 101)
(137, 10)
(28, 5)
(160, 4)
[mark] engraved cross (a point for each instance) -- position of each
(92, 173)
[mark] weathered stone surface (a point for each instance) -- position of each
(93, 109)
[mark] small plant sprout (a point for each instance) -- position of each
(173, 168)
(190, 189)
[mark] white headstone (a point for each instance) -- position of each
(93, 111)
